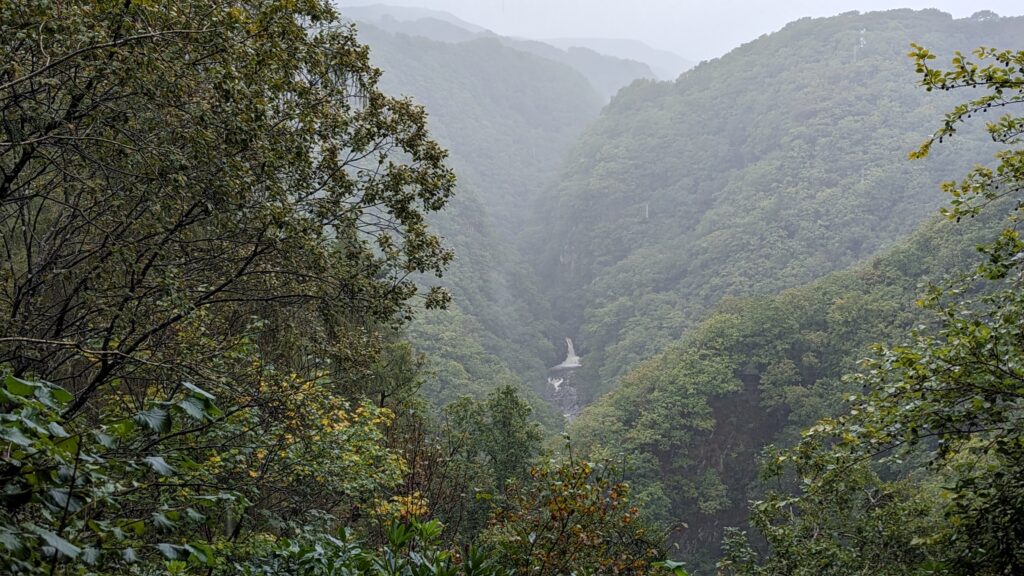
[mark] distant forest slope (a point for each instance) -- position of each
(607, 74)
(666, 65)
(607, 67)
(507, 118)
(387, 12)
(693, 420)
(765, 169)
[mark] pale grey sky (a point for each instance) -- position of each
(697, 30)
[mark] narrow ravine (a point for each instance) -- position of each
(561, 385)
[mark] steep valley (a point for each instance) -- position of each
(642, 232)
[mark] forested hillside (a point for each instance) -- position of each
(761, 170)
(755, 371)
(694, 419)
(919, 471)
(507, 118)
(606, 72)
(285, 291)
(666, 65)
(217, 226)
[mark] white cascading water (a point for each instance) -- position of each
(560, 378)
(571, 359)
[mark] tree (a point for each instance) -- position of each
(162, 169)
(211, 218)
(575, 517)
(933, 449)
(487, 444)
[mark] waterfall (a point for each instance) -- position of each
(571, 359)
(561, 380)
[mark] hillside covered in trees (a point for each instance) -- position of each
(506, 127)
(767, 168)
(607, 68)
(283, 286)
(217, 226)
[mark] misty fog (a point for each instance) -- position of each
(696, 30)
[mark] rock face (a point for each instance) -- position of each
(560, 381)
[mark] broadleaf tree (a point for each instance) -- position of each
(210, 220)
(921, 474)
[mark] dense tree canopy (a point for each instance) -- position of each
(215, 225)
(694, 418)
(205, 211)
(761, 170)
(248, 323)
(165, 169)
(930, 452)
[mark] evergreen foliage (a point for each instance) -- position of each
(765, 169)
(694, 419)
(228, 343)
(935, 438)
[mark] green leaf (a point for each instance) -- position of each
(198, 391)
(675, 567)
(20, 387)
(62, 498)
(105, 440)
(14, 435)
(61, 395)
(428, 531)
(91, 556)
(58, 430)
(162, 521)
(59, 544)
(129, 555)
(156, 419)
(159, 465)
(202, 552)
(170, 551)
(10, 541)
(194, 408)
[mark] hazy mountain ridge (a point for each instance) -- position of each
(405, 14)
(507, 117)
(665, 64)
(606, 72)
(764, 169)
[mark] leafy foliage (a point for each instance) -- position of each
(508, 118)
(937, 431)
(210, 214)
(692, 421)
(762, 170)
(68, 494)
(412, 549)
(119, 493)
(460, 464)
(215, 224)
(575, 515)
